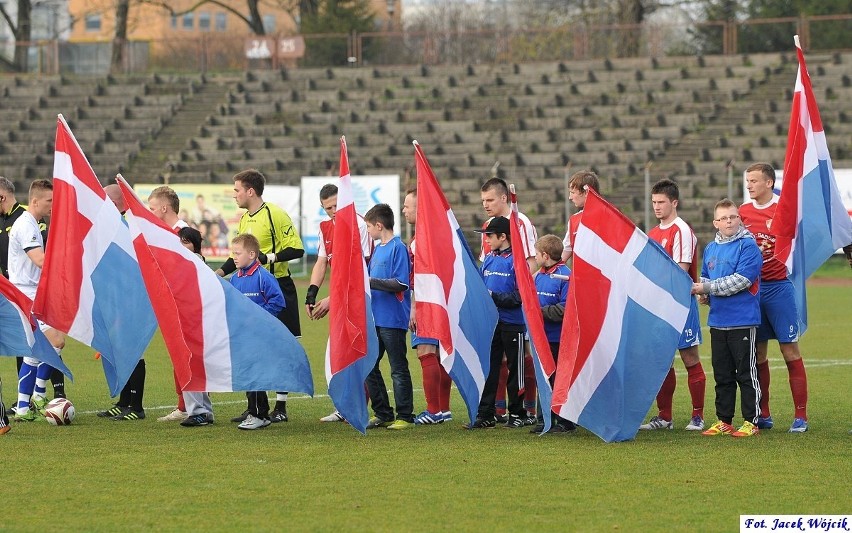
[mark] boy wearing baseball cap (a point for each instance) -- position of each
(499, 275)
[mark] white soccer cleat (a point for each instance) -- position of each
(657, 423)
(696, 424)
(175, 416)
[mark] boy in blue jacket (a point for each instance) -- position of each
(499, 275)
(259, 286)
(551, 284)
(729, 283)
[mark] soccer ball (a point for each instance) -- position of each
(59, 412)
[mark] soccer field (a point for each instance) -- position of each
(101, 475)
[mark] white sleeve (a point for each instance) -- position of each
(321, 246)
(566, 242)
(531, 237)
(684, 244)
(366, 241)
(26, 236)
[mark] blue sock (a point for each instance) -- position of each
(43, 372)
(26, 383)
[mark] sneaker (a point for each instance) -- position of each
(28, 416)
(401, 424)
(115, 410)
(765, 423)
(501, 419)
(719, 428)
(658, 423)
(241, 417)
(447, 415)
(38, 403)
(377, 422)
(202, 419)
(480, 423)
(800, 425)
(428, 418)
(130, 414)
(530, 420)
(538, 428)
(333, 417)
(253, 422)
(277, 415)
(696, 424)
(5, 429)
(746, 430)
(175, 416)
(513, 422)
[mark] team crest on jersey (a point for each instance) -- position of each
(665, 241)
(768, 223)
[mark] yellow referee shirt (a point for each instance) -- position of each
(274, 230)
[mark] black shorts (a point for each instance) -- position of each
(289, 316)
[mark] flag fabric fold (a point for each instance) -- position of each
(218, 340)
(353, 346)
(539, 346)
(627, 305)
(91, 286)
(20, 335)
(810, 221)
(452, 303)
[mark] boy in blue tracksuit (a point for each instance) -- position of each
(729, 282)
(551, 284)
(499, 275)
(261, 287)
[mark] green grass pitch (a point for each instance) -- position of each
(101, 475)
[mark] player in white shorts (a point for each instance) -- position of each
(26, 258)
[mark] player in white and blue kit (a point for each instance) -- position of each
(26, 258)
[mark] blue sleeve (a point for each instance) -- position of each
(751, 260)
(401, 264)
(273, 297)
(704, 273)
(563, 293)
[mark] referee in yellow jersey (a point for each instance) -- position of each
(279, 243)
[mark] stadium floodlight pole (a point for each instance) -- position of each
(730, 179)
(648, 195)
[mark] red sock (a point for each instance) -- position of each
(799, 387)
(446, 383)
(664, 397)
(530, 386)
(431, 380)
(500, 399)
(763, 379)
(697, 381)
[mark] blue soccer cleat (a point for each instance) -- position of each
(765, 423)
(800, 425)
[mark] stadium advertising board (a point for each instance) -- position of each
(368, 191)
(210, 208)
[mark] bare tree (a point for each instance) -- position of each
(21, 30)
(254, 20)
(119, 43)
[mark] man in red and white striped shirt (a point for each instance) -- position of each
(678, 240)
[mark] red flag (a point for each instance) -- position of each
(352, 343)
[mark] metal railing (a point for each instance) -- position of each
(822, 33)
